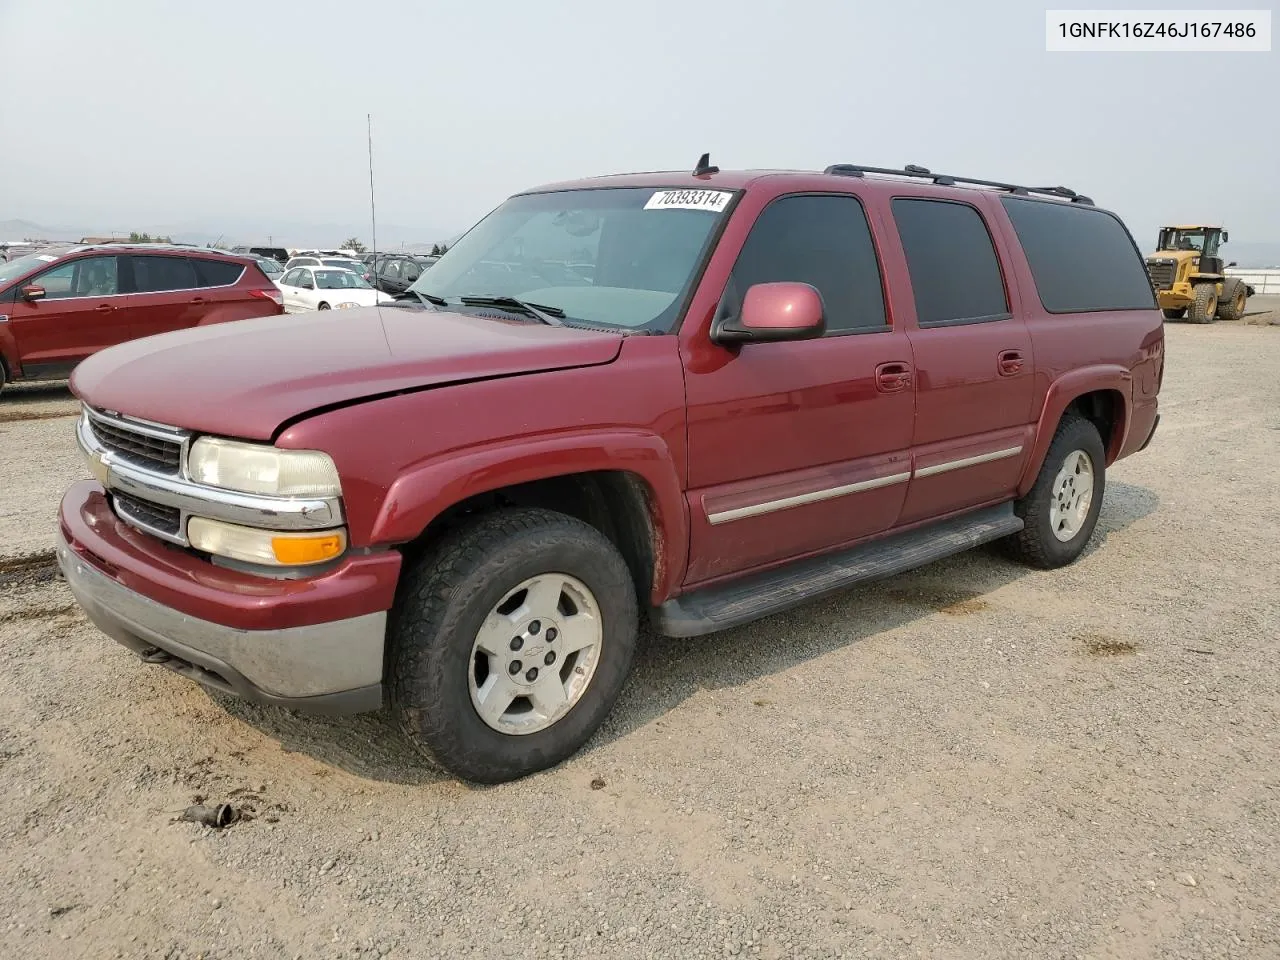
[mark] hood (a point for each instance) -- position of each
(246, 378)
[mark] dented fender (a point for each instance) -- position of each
(424, 492)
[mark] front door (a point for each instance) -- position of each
(974, 363)
(798, 447)
(82, 312)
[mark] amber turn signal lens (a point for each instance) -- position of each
(296, 551)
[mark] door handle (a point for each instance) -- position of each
(104, 308)
(1010, 363)
(892, 377)
(197, 299)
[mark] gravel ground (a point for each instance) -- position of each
(973, 760)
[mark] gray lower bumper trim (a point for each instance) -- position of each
(326, 668)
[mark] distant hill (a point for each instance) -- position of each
(1255, 255)
(391, 237)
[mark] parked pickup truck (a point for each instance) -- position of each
(764, 387)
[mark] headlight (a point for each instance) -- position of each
(258, 468)
(269, 547)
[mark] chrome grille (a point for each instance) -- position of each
(155, 517)
(1162, 273)
(140, 446)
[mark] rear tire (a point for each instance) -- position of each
(1232, 306)
(1061, 509)
(1206, 303)
(471, 636)
(1176, 313)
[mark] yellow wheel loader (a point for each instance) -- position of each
(1188, 277)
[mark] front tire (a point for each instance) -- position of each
(510, 642)
(1232, 308)
(1206, 303)
(1061, 510)
(323, 306)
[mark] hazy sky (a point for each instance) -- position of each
(159, 111)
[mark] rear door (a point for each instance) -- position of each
(973, 356)
(291, 290)
(80, 314)
(803, 446)
(166, 294)
(390, 277)
(410, 271)
(218, 284)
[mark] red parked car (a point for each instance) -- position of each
(58, 307)
(697, 398)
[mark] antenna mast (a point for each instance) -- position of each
(373, 211)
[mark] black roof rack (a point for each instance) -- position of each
(947, 180)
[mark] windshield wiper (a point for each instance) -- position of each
(429, 298)
(548, 315)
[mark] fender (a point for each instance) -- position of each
(8, 344)
(426, 490)
(1060, 395)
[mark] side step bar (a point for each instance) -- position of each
(741, 601)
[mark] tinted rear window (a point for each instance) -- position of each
(217, 273)
(1082, 259)
(156, 274)
(955, 275)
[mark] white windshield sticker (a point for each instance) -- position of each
(45, 257)
(712, 200)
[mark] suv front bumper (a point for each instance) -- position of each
(269, 648)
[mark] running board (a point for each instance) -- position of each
(741, 601)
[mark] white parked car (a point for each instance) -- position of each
(346, 263)
(326, 288)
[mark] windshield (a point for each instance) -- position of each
(621, 257)
(344, 263)
(270, 266)
(1184, 240)
(16, 268)
(340, 280)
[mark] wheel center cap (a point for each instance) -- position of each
(536, 653)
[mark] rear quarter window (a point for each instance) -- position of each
(161, 274)
(217, 273)
(1082, 259)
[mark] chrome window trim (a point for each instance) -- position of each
(198, 500)
(152, 293)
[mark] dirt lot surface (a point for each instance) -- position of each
(970, 761)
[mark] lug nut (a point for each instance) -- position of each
(516, 667)
(535, 627)
(552, 633)
(516, 643)
(532, 674)
(550, 658)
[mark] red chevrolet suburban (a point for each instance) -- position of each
(59, 306)
(693, 398)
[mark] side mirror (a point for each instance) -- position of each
(1231, 264)
(775, 312)
(33, 291)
